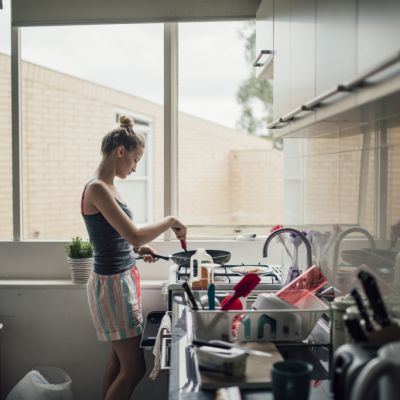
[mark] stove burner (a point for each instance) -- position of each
(183, 272)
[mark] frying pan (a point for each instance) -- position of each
(183, 257)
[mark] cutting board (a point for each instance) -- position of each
(258, 370)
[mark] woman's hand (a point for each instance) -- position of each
(179, 229)
(148, 253)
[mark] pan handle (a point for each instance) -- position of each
(166, 258)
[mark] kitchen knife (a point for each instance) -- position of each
(220, 344)
(375, 298)
(190, 296)
(361, 308)
(354, 328)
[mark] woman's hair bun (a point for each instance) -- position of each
(125, 122)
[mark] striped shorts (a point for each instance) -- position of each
(115, 305)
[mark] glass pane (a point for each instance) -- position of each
(75, 80)
(135, 194)
(6, 229)
(230, 174)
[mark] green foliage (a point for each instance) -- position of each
(254, 93)
(79, 248)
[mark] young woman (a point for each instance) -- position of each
(114, 285)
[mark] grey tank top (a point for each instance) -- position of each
(112, 253)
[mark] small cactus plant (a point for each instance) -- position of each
(79, 248)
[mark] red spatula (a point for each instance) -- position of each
(242, 289)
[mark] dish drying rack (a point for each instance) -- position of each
(289, 325)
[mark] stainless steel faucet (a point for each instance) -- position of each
(282, 230)
(344, 234)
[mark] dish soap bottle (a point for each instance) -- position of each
(198, 258)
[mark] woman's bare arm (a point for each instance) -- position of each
(103, 199)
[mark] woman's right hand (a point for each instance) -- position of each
(179, 229)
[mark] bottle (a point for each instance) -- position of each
(198, 258)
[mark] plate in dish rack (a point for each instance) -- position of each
(254, 269)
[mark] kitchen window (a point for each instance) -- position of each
(76, 81)
(230, 175)
(6, 200)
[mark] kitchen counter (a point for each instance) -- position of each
(183, 378)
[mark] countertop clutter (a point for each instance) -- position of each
(259, 332)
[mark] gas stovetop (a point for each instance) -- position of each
(226, 277)
(230, 273)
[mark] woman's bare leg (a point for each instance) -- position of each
(132, 368)
(111, 372)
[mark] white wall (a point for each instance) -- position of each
(51, 326)
(47, 260)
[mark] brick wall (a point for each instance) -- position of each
(63, 121)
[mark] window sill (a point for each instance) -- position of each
(63, 283)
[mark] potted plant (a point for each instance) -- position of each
(79, 259)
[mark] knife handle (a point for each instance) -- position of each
(211, 296)
(361, 308)
(190, 296)
(355, 330)
(220, 345)
(375, 298)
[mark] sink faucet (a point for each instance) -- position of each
(344, 234)
(295, 231)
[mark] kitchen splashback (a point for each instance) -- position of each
(347, 177)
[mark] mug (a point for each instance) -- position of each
(385, 368)
(291, 380)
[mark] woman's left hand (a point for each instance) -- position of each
(148, 253)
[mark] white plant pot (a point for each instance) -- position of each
(80, 269)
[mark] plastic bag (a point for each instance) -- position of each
(44, 383)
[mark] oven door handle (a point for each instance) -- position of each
(165, 347)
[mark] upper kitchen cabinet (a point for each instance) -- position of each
(378, 32)
(294, 54)
(336, 43)
(281, 58)
(265, 40)
(302, 49)
(334, 62)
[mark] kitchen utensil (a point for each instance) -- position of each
(309, 282)
(211, 296)
(204, 301)
(270, 301)
(254, 269)
(362, 309)
(226, 345)
(182, 258)
(190, 296)
(242, 289)
(385, 369)
(236, 304)
(184, 245)
(375, 299)
(354, 328)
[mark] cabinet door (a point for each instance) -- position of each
(302, 44)
(281, 58)
(336, 43)
(378, 32)
(265, 38)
